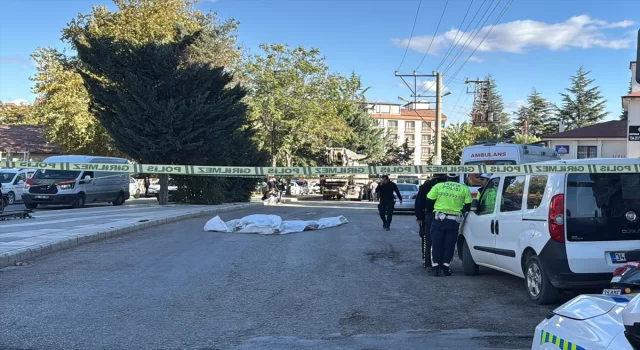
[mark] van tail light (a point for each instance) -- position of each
(556, 218)
(30, 182)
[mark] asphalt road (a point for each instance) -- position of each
(177, 287)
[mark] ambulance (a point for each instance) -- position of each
(501, 154)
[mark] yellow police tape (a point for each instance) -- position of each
(534, 168)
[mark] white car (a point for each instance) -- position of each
(134, 188)
(409, 194)
(557, 231)
(586, 322)
(12, 183)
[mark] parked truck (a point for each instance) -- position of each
(333, 188)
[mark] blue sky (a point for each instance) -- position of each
(535, 44)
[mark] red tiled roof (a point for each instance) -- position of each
(411, 114)
(21, 138)
(610, 129)
(633, 94)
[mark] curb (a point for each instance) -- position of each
(38, 250)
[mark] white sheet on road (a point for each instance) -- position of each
(271, 224)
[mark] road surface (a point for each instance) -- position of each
(177, 287)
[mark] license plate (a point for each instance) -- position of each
(618, 258)
(42, 197)
(612, 292)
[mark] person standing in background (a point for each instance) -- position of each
(387, 203)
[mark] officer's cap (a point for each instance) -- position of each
(485, 176)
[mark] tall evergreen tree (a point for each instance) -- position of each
(625, 114)
(539, 114)
(583, 104)
(502, 128)
(160, 108)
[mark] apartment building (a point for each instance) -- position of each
(412, 122)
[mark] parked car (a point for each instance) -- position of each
(12, 183)
(558, 231)
(134, 188)
(409, 194)
(75, 187)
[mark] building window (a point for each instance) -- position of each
(410, 126)
(426, 127)
(385, 109)
(425, 153)
(411, 140)
(587, 152)
(426, 139)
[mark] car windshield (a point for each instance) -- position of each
(603, 207)
(6, 178)
(474, 179)
(56, 174)
(407, 188)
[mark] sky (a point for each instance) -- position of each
(523, 44)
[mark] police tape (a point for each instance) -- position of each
(539, 168)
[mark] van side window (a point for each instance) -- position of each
(487, 202)
(512, 193)
(20, 177)
(537, 185)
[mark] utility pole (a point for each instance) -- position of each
(438, 160)
(480, 114)
(415, 95)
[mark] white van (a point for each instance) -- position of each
(501, 154)
(557, 230)
(12, 182)
(76, 188)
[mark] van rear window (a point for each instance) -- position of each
(56, 174)
(474, 179)
(602, 207)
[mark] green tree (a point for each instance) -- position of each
(502, 127)
(15, 114)
(290, 102)
(625, 114)
(539, 115)
(525, 139)
(583, 104)
(364, 136)
(397, 154)
(64, 107)
(160, 108)
(458, 136)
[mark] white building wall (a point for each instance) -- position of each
(633, 147)
(606, 148)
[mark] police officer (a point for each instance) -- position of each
(424, 217)
(451, 199)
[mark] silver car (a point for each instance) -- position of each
(409, 194)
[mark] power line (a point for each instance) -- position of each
(434, 35)
(485, 37)
(471, 37)
(453, 42)
(410, 36)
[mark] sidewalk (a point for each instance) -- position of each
(52, 231)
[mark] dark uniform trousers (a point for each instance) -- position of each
(425, 234)
(385, 209)
(444, 235)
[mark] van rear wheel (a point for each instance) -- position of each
(119, 200)
(539, 287)
(469, 266)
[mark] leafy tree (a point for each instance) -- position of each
(525, 139)
(364, 135)
(502, 128)
(397, 154)
(625, 114)
(64, 107)
(13, 114)
(290, 102)
(457, 137)
(583, 104)
(160, 108)
(539, 114)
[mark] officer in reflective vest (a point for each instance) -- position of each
(452, 198)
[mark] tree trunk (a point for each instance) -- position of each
(163, 196)
(289, 160)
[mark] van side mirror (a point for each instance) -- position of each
(87, 177)
(474, 204)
